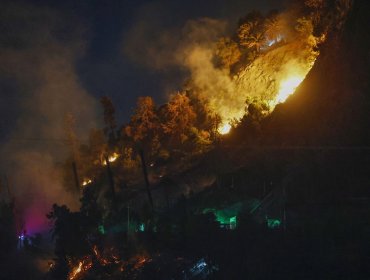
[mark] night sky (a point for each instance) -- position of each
(102, 36)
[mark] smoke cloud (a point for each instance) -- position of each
(192, 49)
(39, 48)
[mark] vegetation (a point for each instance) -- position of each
(172, 148)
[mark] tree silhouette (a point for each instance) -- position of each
(109, 118)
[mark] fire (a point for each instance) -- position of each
(83, 266)
(111, 158)
(76, 271)
(105, 257)
(86, 182)
(287, 88)
(224, 129)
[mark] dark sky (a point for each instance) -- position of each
(97, 32)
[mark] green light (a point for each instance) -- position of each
(273, 223)
(233, 222)
(226, 217)
(141, 227)
(101, 229)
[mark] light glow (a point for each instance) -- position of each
(287, 88)
(111, 158)
(86, 182)
(224, 129)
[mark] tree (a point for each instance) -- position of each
(227, 51)
(179, 116)
(251, 31)
(70, 235)
(304, 30)
(273, 28)
(256, 41)
(144, 126)
(97, 146)
(144, 121)
(109, 118)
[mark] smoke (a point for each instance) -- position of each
(192, 48)
(39, 49)
(196, 54)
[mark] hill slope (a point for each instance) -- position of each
(332, 105)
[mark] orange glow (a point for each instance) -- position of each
(287, 88)
(83, 266)
(111, 158)
(76, 271)
(86, 182)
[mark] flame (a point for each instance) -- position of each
(105, 257)
(84, 265)
(224, 129)
(86, 182)
(287, 88)
(76, 271)
(111, 158)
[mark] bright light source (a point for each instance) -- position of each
(111, 158)
(224, 129)
(287, 87)
(86, 182)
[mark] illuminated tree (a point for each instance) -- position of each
(245, 30)
(144, 121)
(251, 31)
(273, 28)
(256, 41)
(144, 126)
(252, 36)
(304, 30)
(228, 52)
(179, 116)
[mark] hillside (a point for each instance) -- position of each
(331, 106)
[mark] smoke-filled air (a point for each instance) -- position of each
(134, 147)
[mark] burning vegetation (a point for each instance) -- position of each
(233, 79)
(133, 180)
